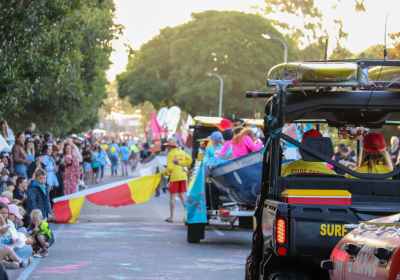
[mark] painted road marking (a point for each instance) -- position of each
(218, 232)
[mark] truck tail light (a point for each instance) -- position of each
(281, 231)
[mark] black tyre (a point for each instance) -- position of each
(195, 232)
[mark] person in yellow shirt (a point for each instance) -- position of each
(375, 159)
(177, 162)
(307, 167)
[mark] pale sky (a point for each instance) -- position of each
(143, 20)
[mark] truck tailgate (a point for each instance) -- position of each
(314, 230)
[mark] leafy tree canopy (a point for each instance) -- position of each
(172, 67)
(53, 57)
(313, 24)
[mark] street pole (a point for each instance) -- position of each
(221, 91)
(284, 44)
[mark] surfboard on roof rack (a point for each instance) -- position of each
(353, 74)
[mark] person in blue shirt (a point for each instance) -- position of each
(125, 154)
(114, 151)
(217, 140)
(50, 167)
(95, 164)
(103, 159)
(30, 150)
(216, 144)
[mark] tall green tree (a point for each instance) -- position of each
(53, 58)
(172, 67)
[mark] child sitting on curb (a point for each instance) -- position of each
(10, 243)
(41, 233)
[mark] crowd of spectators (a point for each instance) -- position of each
(34, 169)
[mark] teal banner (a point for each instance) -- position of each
(196, 208)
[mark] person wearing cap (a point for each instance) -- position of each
(18, 251)
(177, 161)
(307, 167)
(225, 124)
(14, 215)
(214, 146)
(374, 159)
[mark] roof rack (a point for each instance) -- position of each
(368, 74)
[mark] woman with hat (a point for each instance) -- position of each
(177, 161)
(374, 158)
(228, 131)
(214, 147)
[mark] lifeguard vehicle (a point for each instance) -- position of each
(300, 218)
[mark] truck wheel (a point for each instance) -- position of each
(195, 232)
(287, 276)
(246, 222)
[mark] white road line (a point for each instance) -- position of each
(36, 261)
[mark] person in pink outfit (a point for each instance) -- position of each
(71, 171)
(245, 143)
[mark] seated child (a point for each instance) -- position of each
(14, 252)
(16, 215)
(42, 235)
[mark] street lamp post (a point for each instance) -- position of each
(284, 44)
(221, 91)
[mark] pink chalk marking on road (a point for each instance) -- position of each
(63, 269)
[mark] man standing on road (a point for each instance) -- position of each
(177, 162)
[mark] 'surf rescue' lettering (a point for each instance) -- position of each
(332, 230)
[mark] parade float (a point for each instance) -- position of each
(222, 192)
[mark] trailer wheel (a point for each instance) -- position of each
(246, 222)
(195, 232)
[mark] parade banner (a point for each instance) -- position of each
(196, 208)
(134, 191)
(68, 211)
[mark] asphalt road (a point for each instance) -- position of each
(134, 242)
